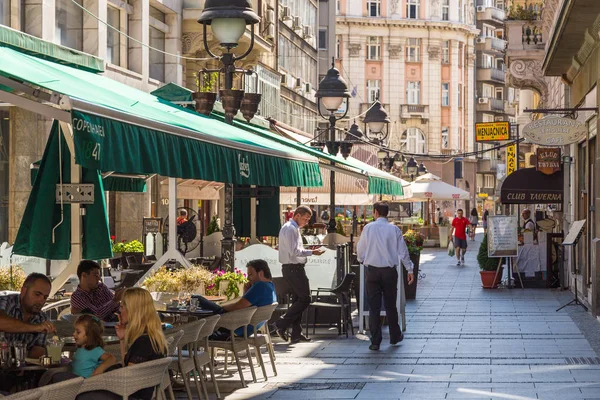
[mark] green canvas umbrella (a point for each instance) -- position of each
(45, 229)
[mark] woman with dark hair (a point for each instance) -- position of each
(486, 214)
(473, 220)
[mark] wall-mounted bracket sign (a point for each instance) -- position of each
(492, 131)
(554, 131)
(75, 193)
(548, 160)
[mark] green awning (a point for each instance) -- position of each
(380, 182)
(50, 51)
(111, 183)
(122, 129)
(174, 93)
(37, 236)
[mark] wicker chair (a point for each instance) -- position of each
(126, 381)
(232, 321)
(186, 365)
(261, 318)
(173, 341)
(33, 394)
(66, 390)
(202, 357)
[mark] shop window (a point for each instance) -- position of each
(157, 41)
(68, 26)
(113, 45)
(413, 141)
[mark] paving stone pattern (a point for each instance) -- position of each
(462, 342)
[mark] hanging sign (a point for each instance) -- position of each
(554, 131)
(548, 160)
(511, 159)
(492, 131)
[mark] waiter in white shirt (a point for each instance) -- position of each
(292, 256)
(381, 249)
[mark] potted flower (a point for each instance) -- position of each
(414, 241)
(12, 278)
(134, 248)
(488, 267)
(230, 284)
(163, 285)
(444, 230)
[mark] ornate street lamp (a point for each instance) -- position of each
(332, 93)
(228, 20)
(422, 170)
(377, 120)
(412, 168)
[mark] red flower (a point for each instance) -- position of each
(113, 238)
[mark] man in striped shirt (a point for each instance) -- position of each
(92, 296)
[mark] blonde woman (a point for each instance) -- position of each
(140, 333)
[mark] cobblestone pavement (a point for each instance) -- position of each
(462, 342)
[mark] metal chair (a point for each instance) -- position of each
(342, 292)
(185, 363)
(66, 390)
(128, 380)
(259, 321)
(232, 321)
(203, 358)
(173, 340)
(52, 310)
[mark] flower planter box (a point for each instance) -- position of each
(489, 280)
(411, 290)
(444, 236)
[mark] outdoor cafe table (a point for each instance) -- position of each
(25, 376)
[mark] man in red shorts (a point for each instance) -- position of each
(459, 230)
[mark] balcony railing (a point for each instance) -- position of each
(497, 105)
(490, 74)
(488, 12)
(498, 44)
(525, 35)
(408, 111)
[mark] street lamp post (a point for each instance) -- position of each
(228, 20)
(332, 93)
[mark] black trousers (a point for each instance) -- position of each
(295, 275)
(383, 281)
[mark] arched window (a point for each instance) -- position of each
(413, 141)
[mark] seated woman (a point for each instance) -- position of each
(141, 336)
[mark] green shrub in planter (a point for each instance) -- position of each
(486, 263)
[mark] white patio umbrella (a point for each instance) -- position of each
(431, 187)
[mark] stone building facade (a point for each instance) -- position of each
(418, 58)
(156, 24)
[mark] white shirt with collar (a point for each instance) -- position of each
(291, 248)
(381, 244)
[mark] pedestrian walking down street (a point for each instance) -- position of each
(486, 214)
(440, 218)
(292, 256)
(473, 220)
(382, 250)
(459, 230)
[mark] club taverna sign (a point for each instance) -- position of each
(554, 131)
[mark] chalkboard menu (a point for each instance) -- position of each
(502, 236)
(152, 225)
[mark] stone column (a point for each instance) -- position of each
(94, 32)
(173, 65)
(394, 87)
(469, 92)
(454, 121)
(28, 136)
(40, 17)
(432, 75)
(139, 28)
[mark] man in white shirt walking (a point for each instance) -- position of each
(382, 250)
(292, 256)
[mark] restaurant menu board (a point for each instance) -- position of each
(502, 236)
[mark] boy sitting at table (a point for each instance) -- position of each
(259, 291)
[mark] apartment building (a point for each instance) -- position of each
(418, 58)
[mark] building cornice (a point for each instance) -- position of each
(469, 30)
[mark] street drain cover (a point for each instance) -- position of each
(583, 360)
(317, 386)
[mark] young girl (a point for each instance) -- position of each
(90, 358)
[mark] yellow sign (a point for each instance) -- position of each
(511, 159)
(492, 131)
(483, 195)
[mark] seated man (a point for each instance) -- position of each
(259, 291)
(92, 296)
(21, 315)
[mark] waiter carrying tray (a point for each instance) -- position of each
(292, 256)
(382, 250)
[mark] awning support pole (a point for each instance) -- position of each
(172, 253)
(76, 250)
(253, 235)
